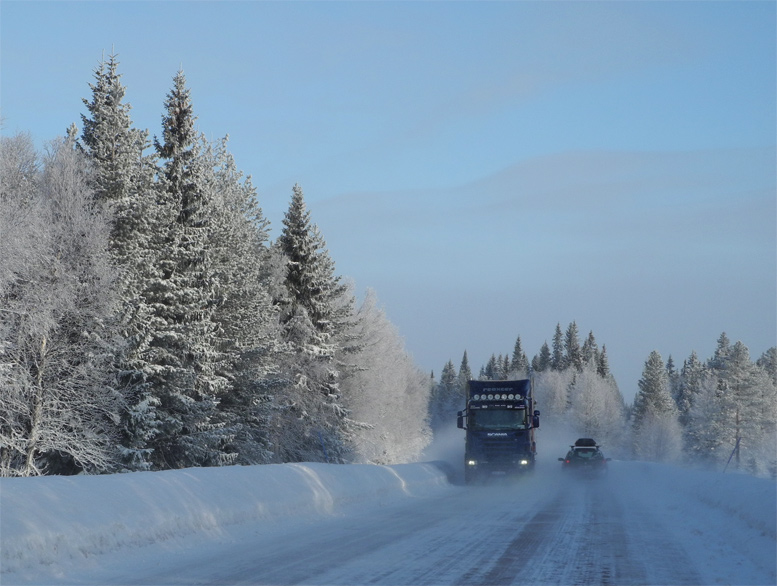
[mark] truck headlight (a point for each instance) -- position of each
(524, 462)
(472, 462)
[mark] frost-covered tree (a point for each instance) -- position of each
(446, 398)
(590, 352)
(541, 362)
(551, 391)
(673, 377)
(464, 376)
(597, 408)
(519, 364)
(316, 311)
(58, 409)
(557, 361)
(692, 377)
(573, 356)
(768, 361)
(603, 364)
(179, 355)
(247, 336)
(122, 178)
(749, 410)
(387, 394)
(656, 430)
(491, 370)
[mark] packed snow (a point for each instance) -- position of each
(404, 524)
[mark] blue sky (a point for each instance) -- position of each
(489, 168)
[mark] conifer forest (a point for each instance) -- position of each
(150, 320)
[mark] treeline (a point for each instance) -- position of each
(718, 412)
(148, 321)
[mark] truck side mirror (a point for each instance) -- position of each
(460, 420)
(535, 421)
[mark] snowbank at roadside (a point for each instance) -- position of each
(737, 498)
(46, 519)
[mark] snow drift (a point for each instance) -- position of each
(47, 519)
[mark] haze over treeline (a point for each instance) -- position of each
(149, 321)
(720, 411)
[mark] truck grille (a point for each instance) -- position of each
(497, 450)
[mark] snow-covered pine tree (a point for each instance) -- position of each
(747, 408)
(315, 311)
(445, 399)
(707, 433)
(557, 361)
(657, 434)
(519, 364)
(541, 362)
(722, 350)
(590, 351)
(465, 375)
(673, 377)
(491, 370)
(603, 364)
(573, 357)
(180, 353)
(123, 181)
(504, 371)
(247, 336)
(768, 361)
(692, 377)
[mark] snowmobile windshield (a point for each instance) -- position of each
(491, 419)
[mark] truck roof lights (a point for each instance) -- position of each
(496, 397)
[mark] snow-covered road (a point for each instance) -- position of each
(644, 524)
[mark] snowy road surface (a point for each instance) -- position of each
(644, 524)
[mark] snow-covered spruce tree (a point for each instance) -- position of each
(673, 377)
(603, 364)
(691, 379)
(123, 181)
(749, 407)
(590, 352)
(387, 393)
(768, 361)
(557, 361)
(491, 371)
(59, 412)
(573, 356)
(446, 399)
(315, 313)
(519, 364)
(656, 431)
(247, 336)
(464, 376)
(180, 353)
(541, 362)
(704, 408)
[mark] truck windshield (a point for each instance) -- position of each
(497, 419)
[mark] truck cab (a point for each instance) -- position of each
(499, 419)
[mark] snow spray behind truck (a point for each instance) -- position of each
(500, 420)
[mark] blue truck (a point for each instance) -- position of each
(499, 419)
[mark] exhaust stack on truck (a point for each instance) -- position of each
(500, 420)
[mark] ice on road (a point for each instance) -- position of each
(643, 524)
